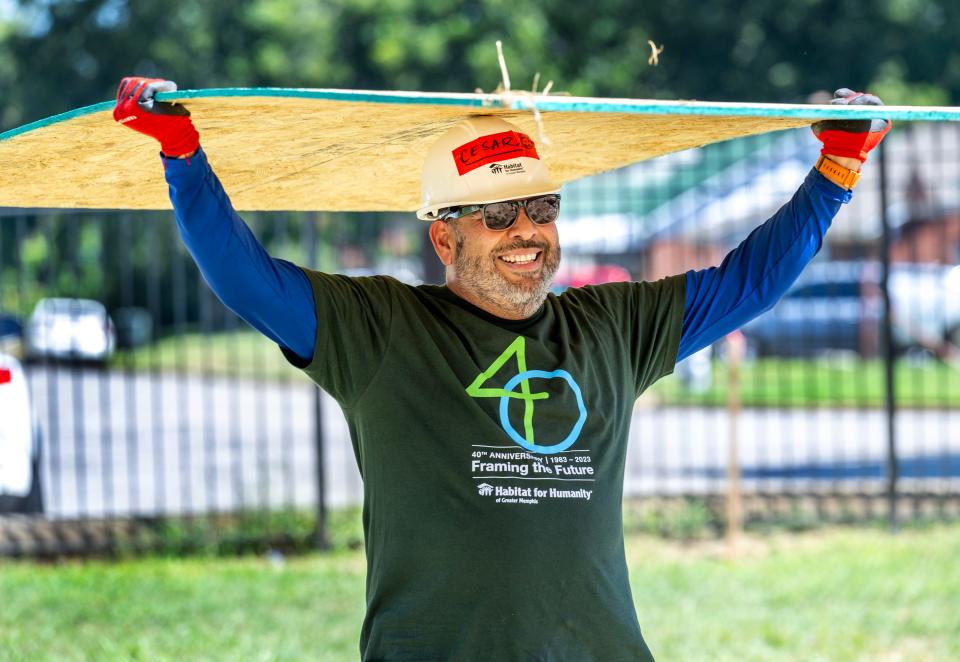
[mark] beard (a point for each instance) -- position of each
(479, 273)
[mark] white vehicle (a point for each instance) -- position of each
(77, 329)
(926, 302)
(19, 443)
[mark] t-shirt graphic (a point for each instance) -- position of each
(519, 389)
(530, 467)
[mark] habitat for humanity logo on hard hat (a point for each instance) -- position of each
(506, 168)
(497, 147)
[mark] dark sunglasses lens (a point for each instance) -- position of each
(544, 209)
(500, 215)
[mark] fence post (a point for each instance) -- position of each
(736, 348)
(320, 540)
(888, 348)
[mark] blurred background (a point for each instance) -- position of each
(133, 404)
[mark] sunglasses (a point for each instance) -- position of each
(499, 216)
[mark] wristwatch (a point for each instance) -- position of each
(836, 173)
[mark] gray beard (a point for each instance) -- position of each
(480, 275)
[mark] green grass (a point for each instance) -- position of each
(167, 609)
(837, 595)
(841, 594)
(830, 382)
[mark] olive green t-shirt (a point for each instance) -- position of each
(492, 454)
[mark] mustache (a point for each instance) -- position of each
(517, 245)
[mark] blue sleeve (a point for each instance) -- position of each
(753, 277)
(273, 296)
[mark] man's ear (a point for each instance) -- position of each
(444, 242)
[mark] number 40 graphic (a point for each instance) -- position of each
(522, 379)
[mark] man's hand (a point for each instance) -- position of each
(167, 122)
(848, 141)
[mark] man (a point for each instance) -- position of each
(490, 418)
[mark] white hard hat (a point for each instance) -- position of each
(482, 159)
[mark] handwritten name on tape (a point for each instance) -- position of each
(495, 147)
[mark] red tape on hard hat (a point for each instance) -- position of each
(495, 147)
(5, 376)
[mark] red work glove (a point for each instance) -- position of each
(167, 122)
(851, 138)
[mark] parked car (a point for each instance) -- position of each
(134, 327)
(11, 335)
(70, 329)
(20, 489)
(838, 306)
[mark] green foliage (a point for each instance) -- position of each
(240, 533)
(290, 531)
(55, 56)
(37, 257)
(678, 519)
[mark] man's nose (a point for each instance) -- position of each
(523, 226)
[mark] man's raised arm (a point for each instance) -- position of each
(272, 295)
(753, 277)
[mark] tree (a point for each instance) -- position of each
(60, 54)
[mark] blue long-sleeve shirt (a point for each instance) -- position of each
(753, 276)
(274, 296)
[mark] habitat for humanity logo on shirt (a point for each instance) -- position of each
(520, 390)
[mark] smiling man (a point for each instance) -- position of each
(509, 270)
(489, 417)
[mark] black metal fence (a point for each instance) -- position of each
(848, 397)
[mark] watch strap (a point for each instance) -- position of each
(836, 173)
